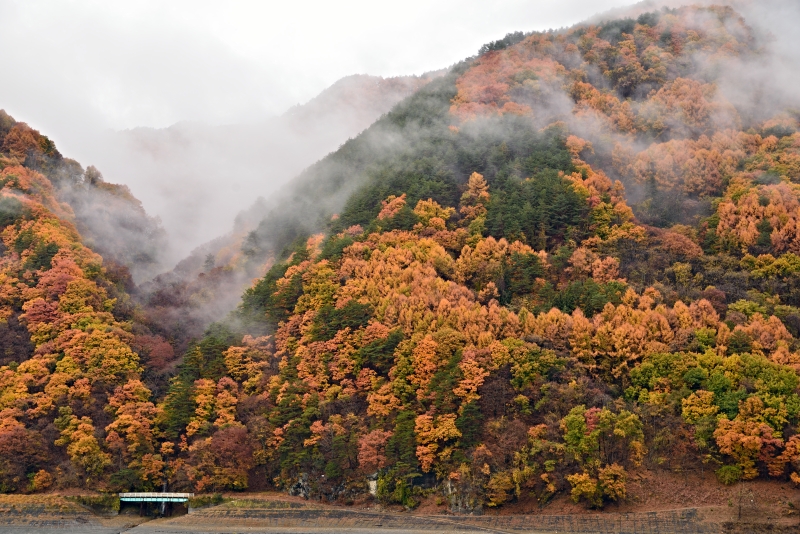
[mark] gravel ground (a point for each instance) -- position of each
(271, 521)
(255, 517)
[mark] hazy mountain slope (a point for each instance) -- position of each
(197, 177)
(111, 220)
(483, 305)
(206, 285)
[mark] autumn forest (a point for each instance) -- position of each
(566, 259)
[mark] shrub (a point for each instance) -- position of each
(500, 489)
(200, 501)
(612, 481)
(99, 503)
(41, 481)
(729, 474)
(585, 487)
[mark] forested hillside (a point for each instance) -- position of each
(569, 259)
(69, 368)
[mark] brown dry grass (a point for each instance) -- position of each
(40, 502)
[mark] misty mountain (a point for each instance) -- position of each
(197, 177)
(206, 284)
(528, 275)
(568, 264)
(110, 219)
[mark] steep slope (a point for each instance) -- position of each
(111, 220)
(70, 380)
(484, 311)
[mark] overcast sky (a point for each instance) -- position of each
(71, 64)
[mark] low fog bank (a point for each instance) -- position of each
(113, 223)
(759, 87)
(196, 178)
(764, 86)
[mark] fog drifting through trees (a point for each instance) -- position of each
(569, 259)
